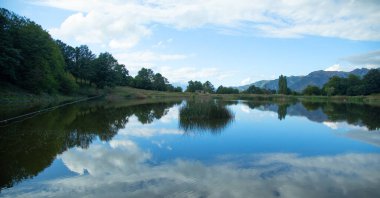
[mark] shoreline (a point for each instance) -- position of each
(19, 99)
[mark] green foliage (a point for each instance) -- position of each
(122, 77)
(83, 63)
(371, 81)
(353, 85)
(147, 79)
(208, 87)
(104, 74)
(159, 82)
(10, 57)
(194, 86)
(67, 84)
(336, 86)
(171, 88)
(204, 115)
(144, 79)
(282, 85)
(226, 90)
(257, 90)
(312, 90)
(282, 111)
(30, 58)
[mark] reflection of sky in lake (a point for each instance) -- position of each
(255, 155)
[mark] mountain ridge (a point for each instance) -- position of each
(298, 83)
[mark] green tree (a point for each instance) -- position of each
(194, 86)
(103, 70)
(144, 79)
(226, 90)
(371, 81)
(69, 56)
(312, 90)
(282, 85)
(10, 56)
(354, 86)
(208, 87)
(30, 58)
(336, 86)
(122, 77)
(159, 82)
(83, 63)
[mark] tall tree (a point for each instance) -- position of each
(144, 79)
(122, 77)
(159, 82)
(83, 62)
(282, 85)
(103, 70)
(10, 56)
(30, 58)
(208, 87)
(371, 81)
(69, 55)
(194, 86)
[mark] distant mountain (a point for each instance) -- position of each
(298, 83)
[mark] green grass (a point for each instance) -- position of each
(201, 115)
(10, 95)
(133, 93)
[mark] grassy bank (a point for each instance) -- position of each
(132, 93)
(13, 96)
(15, 101)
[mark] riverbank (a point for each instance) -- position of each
(17, 97)
(133, 93)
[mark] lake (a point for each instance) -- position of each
(203, 148)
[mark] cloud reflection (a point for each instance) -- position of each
(121, 169)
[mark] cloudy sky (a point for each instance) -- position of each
(226, 42)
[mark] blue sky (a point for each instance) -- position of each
(227, 42)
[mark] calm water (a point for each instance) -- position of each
(194, 149)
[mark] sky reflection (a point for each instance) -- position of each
(305, 151)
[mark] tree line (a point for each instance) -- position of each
(31, 59)
(351, 86)
(208, 87)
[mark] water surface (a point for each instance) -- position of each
(204, 148)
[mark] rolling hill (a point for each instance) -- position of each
(298, 83)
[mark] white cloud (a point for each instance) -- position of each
(103, 21)
(148, 56)
(148, 59)
(185, 74)
(246, 81)
(136, 129)
(115, 172)
(338, 67)
(344, 126)
(124, 43)
(245, 109)
(367, 60)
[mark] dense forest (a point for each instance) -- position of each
(32, 60)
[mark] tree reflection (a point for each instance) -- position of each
(209, 115)
(28, 147)
(282, 111)
(355, 114)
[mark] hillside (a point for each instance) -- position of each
(298, 83)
